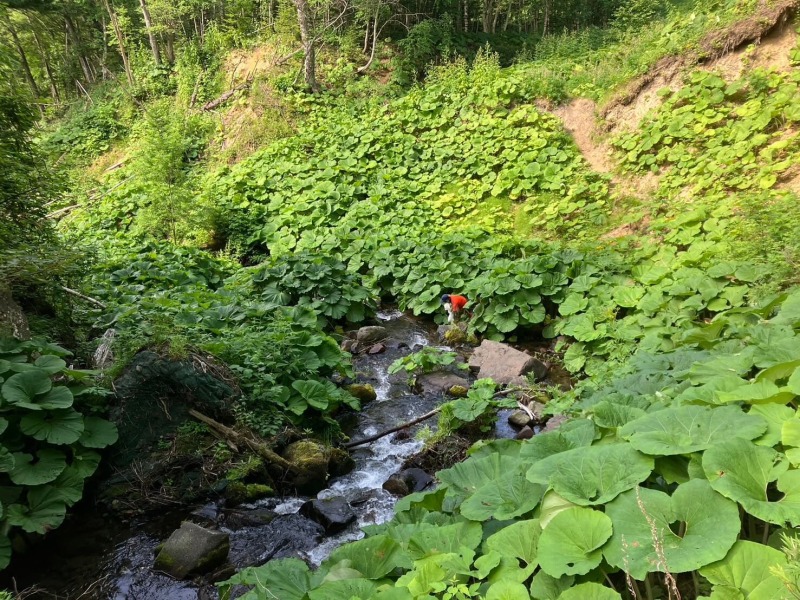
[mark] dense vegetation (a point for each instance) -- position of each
(193, 226)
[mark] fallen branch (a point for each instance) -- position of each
(226, 96)
(243, 440)
(77, 294)
(407, 424)
(60, 211)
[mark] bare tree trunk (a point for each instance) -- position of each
(366, 38)
(466, 16)
(23, 59)
(120, 41)
(486, 20)
(309, 59)
(78, 43)
(546, 17)
(148, 23)
(46, 61)
(170, 47)
(374, 40)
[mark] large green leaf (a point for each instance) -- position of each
(68, 486)
(24, 387)
(98, 433)
(57, 426)
(775, 415)
(286, 578)
(742, 471)
(507, 590)
(519, 540)
(466, 478)
(443, 540)
(373, 557)
(6, 460)
(572, 541)
(545, 587)
(343, 589)
(592, 475)
(50, 364)
(44, 511)
(687, 429)
(44, 467)
(589, 591)
(746, 568)
(509, 496)
(694, 527)
(5, 552)
(312, 392)
(85, 461)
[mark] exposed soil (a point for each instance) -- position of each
(771, 52)
(580, 120)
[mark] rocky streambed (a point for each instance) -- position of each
(95, 556)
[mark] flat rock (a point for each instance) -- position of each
(504, 364)
(239, 518)
(334, 514)
(371, 334)
(525, 433)
(441, 381)
(555, 422)
(376, 349)
(192, 549)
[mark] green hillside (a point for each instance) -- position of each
(621, 182)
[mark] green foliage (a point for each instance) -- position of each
(48, 437)
(668, 483)
(426, 360)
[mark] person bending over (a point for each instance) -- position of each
(453, 304)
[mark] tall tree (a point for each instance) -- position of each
(23, 58)
(304, 19)
(148, 23)
(123, 52)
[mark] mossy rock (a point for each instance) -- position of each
(340, 462)
(455, 335)
(192, 549)
(311, 461)
(363, 391)
(458, 391)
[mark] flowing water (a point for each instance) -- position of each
(93, 558)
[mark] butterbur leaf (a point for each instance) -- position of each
(68, 486)
(742, 471)
(43, 512)
(24, 387)
(593, 474)
(286, 578)
(746, 568)
(57, 426)
(44, 467)
(50, 364)
(775, 415)
(7, 461)
(507, 590)
(85, 461)
(545, 587)
(710, 527)
(5, 552)
(687, 429)
(519, 540)
(444, 540)
(589, 591)
(343, 589)
(312, 392)
(373, 557)
(466, 478)
(509, 496)
(572, 541)
(98, 433)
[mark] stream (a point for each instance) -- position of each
(92, 557)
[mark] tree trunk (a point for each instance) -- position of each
(78, 43)
(46, 60)
(170, 47)
(120, 41)
(466, 16)
(23, 60)
(148, 23)
(309, 59)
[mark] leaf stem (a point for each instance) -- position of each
(648, 587)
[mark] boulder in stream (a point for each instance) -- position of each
(519, 419)
(363, 391)
(371, 334)
(407, 481)
(334, 514)
(440, 382)
(504, 364)
(311, 461)
(192, 549)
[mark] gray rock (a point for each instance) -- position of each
(555, 422)
(407, 481)
(519, 419)
(525, 433)
(439, 382)
(334, 514)
(206, 514)
(504, 364)
(340, 462)
(371, 334)
(239, 518)
(192, 549)
(349, 346)
(396, 486)
(376, 349)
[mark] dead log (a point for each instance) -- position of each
(226, 96)
(243, 440)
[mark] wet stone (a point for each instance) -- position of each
(192, 549)
(287, 535)
(441, 381)
(396, 486)
(376, 349)
(525, 433)
(206, 515)
(334, 514)
(363, 391)
(458, 391)
(371, 334)
(519, 418)
(237, 519)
